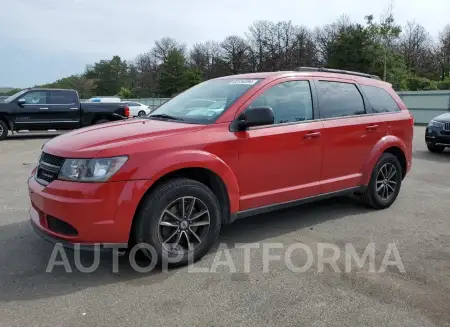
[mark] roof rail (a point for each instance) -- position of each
(335, 71)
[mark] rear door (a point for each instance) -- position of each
(64, 109)
(350, 131)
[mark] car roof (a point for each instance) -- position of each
(48, 89)
(281, 74)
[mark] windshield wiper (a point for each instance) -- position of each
(165, 116)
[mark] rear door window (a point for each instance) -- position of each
(62, 97)
(338, 99)
(380, 99)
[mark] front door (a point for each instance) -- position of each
(34, 113)
(281, 162)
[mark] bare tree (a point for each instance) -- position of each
(235, 53)
(326, 36)
(165, 46)
(416, 47)
(258, 38)
(442, 52)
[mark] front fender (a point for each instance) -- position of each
(383, 144)
(170, 162)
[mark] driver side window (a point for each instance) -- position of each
(290, 101)
(36, 97)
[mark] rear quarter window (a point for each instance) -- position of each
(380, 100)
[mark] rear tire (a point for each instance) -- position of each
(3, 130)
(174, 238)
(435, 148)
(385, 182)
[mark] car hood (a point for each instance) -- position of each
(89, 141)
(445, 118)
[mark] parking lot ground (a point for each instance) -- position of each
(418, 224)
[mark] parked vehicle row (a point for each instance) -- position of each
(43, 109)
(174, 177)
(137, 109)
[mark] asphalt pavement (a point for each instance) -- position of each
(417, 226)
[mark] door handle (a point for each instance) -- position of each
(74, 108)
(43, 108)
(312, 135)
(371, 127)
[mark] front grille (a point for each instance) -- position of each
(49, 167)
(51, 159)
(446, 126)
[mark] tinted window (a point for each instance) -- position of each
(63, 97)
(380, 100)
(36, 97)
(339, 99)
(134, 104)
(290, 101)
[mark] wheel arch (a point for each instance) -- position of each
(388, 144)
(6, 121)
(206, 176)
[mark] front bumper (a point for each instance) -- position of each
(437, 136)
(87, 214)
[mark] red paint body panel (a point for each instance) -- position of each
(100, 212)
(259, 167)
(279, 164)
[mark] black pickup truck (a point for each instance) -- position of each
(59, 109)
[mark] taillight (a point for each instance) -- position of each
(127, 112)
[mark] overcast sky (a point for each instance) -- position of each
(43, 40)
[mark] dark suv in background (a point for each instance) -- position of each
(437, 135)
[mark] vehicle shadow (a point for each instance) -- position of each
(25, 257)
(430, 156)
(29, 136)
(261, 227)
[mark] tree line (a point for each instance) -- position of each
(406, 56)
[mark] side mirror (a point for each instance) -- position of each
(257, 116)
(21, 101)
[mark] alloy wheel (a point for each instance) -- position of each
(386, 181)
(183, 225)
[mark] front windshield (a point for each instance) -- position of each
(203, 103)
(14, 96)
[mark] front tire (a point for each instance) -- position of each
(141, 113)
(435, 148)
(385, 183)
(180, 220)
(3, 130)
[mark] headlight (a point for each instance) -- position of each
(436, 124)
(90, 170)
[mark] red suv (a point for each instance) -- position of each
(227, 148)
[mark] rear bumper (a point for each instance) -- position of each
(437, 136)
(86, 214)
